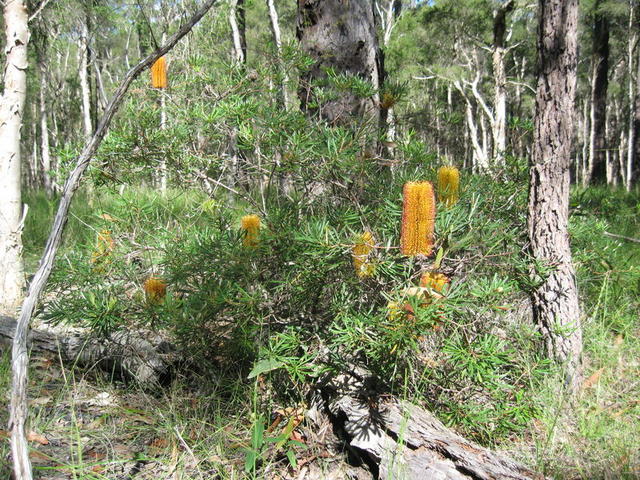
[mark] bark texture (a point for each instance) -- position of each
(141, 357)
(339, 35)
(11, 112)
(400, 440)
(555, 299)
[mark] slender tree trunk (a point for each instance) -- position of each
(555, 298)
(83, 71)
(499, 126)
(238, 29)
(283, 97)
(45, 150)
(634, 160)
(341, 36)
(600, 81)
(632, 91)
(11, 111)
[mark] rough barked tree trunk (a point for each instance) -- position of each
(11, 110)
(598, 139)
(339, 35)
(555, 299)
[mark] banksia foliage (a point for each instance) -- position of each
(448, 185)
(418, 218)
(360, 253)
(250, 225)
(159, 73)
(155, 289)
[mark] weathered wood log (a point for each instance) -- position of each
(403, 441)
(141, 357)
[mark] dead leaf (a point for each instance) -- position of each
(36, 437)
(593, 379)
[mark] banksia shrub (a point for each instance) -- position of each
(418, 218)
(250, 225)
(448, 185)
(159, 73)
(360, 253)
(155, 289)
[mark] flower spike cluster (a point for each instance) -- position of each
(360, 253)
(418, 218)
(159, 73)
(250, 225)
(448, 185)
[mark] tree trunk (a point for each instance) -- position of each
(83, 73)
(283, 97)
(340, 36)
(45, 150)
(634, 159)
(141, 357)
(555, 299)
(597, 139)
(238, 29)
(399, 440)
(500, 82)
(11, 111)
(632, 141)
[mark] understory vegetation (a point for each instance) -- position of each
(258, 325)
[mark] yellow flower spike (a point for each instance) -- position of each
(155, 289)
(418, 218)
(250, 225)
(360, 253)
(434, 281)
(159, 73)
(448, 185)
(104, 247)
(394, 310)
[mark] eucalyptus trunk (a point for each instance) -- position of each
(499, 53)
(555, 297)
(11, 111)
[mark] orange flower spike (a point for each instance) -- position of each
(448, 185)
(434, 281)
(418, 218)
(155, 289)
(360, 253)
(250, 225)
(159, 73)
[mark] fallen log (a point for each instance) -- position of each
(400, 440)
(137, 356)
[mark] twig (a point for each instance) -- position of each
(628, 239)
(37, 12)
(18, 409)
